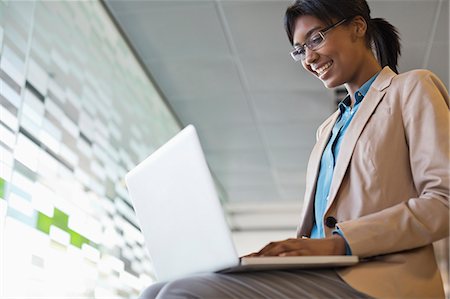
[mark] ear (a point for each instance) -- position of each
(359, 27)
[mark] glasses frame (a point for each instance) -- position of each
(301, 57)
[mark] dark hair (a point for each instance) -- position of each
(382, 34)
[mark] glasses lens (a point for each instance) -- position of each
(298, 54)
(315, 41)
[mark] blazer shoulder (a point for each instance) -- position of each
(415, 76)
(418, 85)
(388, 79)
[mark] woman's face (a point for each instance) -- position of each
(340, 57)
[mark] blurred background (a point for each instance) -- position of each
(90, 88)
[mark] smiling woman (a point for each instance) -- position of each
(377, 183)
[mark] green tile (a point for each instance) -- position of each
(2, 188)
(60, 219)
(76, 239)
(43, 223)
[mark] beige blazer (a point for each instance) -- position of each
(390, 188)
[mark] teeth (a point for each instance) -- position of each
(324, 68)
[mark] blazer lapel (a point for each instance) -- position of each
(305, 224)
(368, 105)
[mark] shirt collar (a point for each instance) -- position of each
(359, 94)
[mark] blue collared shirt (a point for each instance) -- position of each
(330, 155)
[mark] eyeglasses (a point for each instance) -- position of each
(314, 42)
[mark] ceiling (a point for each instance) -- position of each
(224, 66)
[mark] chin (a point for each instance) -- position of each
(330, 84)
(332, 81)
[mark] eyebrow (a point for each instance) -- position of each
(308, 34)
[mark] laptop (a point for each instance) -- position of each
(182, 221)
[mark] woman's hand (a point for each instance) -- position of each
(333, 245)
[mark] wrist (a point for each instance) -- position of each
(338, 242)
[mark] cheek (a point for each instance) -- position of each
(349, 55)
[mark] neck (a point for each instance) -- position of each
(366, 71)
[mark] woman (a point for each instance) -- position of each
(377, 180)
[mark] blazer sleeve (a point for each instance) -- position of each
(424, 219)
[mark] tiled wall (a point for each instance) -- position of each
(76, 113)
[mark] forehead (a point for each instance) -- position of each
(304, 26)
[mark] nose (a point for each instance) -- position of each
(310, 56)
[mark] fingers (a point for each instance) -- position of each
(267, 248)
(281, 247)
(297, 247)
(270, 249)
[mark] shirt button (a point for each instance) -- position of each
(330, 222)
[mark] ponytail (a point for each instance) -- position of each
(386, 42)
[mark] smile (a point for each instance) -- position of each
(324, 68)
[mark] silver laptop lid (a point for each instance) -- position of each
(179, 211)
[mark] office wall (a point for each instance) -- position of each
(76, 113)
